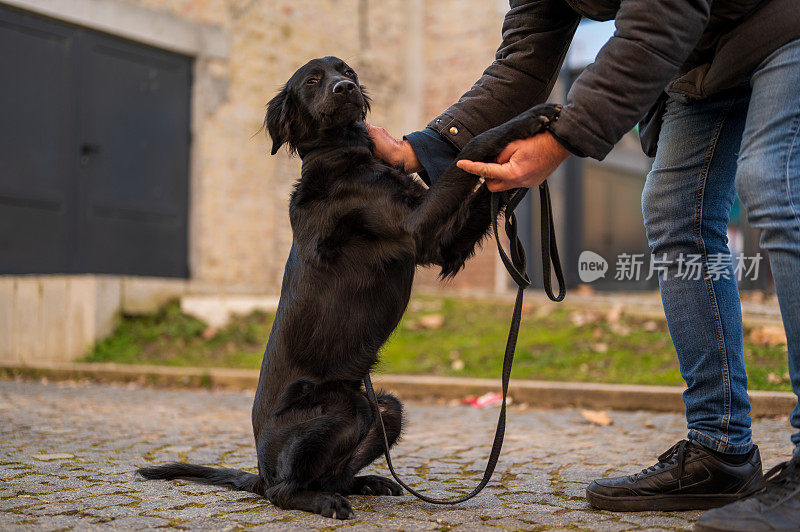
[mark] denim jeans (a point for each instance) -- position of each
(710, 150)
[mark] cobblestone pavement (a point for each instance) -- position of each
(68, 454)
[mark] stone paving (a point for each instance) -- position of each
(68, 452)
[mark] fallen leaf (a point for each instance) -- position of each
(209, 332)
(774, 379)
(614, 314)
(597, 417)
(755, 296)
(771, 335)
(600, 348)
(620, 329)
(578, 319)
(584, 290)
(431, 321)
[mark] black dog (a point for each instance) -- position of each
(360, 229)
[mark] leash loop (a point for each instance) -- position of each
(514, 262)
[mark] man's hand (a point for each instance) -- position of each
(395, 152)
(523, 163)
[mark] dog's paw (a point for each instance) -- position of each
(530, 122)
(334, 506)
(376, 485)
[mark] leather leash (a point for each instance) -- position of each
(515, 264)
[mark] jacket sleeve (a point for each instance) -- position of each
(652, 40)
(434, 153)
(536, 35)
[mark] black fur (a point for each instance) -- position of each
(360, 230)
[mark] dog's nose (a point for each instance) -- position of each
(344, 87)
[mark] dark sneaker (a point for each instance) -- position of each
(687, 477)
(776, 508)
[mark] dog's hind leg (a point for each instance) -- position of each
(310, 462)
(372, 446)
(290, 496)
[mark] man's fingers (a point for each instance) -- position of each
(507, 152)
(497, 176)
(497, 185)
(486, 170)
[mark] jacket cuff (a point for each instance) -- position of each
(451, 130)
(569, 131)
(567, 146)
(434, 153)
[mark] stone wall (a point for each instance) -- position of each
(415, 57)
(57, 318)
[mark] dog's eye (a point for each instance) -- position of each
(349, 72)
(311, 81)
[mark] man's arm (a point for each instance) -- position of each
(652, 40)
(536, 36)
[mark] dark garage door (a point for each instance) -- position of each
(94, 152)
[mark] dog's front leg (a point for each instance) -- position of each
(442, 219)
(457, 240)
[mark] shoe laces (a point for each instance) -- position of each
(780, 483)
(675, 454)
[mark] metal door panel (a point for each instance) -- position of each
(137, 122)
(36, 121)
(94, 151)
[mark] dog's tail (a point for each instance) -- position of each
(229, 478)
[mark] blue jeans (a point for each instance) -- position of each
(710, 150)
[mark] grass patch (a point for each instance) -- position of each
(555, 343)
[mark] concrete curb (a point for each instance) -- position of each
(538, 394)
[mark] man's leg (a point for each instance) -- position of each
(686, 204)
(768, 182)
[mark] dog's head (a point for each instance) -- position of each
(321, 97)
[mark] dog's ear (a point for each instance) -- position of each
(278, 122)
(367, 102)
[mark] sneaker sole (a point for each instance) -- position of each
(659, 502)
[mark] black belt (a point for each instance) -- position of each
(515, 264)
